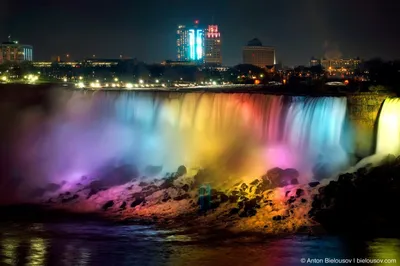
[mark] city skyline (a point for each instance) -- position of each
(146, 31)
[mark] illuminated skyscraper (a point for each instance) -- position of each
(182, 43)
(190, 43)
(213, 46)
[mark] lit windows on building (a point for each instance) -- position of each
(258, 55)
(212, 48)
(12, 51)
(190, 43)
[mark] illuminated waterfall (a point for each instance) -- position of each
(388, 139)
(241, 135)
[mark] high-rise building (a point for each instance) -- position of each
(190, 43)
(212, 42)
(257, 54)
(12, 51)
(182, 42)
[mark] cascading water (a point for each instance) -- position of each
(238, 135)
(388, 139)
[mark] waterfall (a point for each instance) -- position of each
(388, 138)
(241, 135)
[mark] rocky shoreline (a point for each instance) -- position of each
(275, 204)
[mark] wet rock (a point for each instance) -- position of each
(255, 182)
(234, 211)
(66, 200)
(300, 192)
(123, 205)
(214, 205)
(149, 190)
(235, 193)
(108, 205)
(243, 187)
(248, 213)
(223, 198)
(137, 202)
(166, 197)
(241, 204)
(67, 193)
(182, 197)
(294, 182)
(167, 184)
(290, 174)
(313, 184)
(291, 200)
(186, 187)
(277, 218)
(243, 193)
(237, 184)
(250, 204)
(287, 193)
(143, 184)
(303, 200)
(181, 171)
(268, 202)
(233, 199)
(273, 176)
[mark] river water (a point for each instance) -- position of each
(94, 243)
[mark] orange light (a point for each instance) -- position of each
(284, 81)
(346, 82)
(257, 82)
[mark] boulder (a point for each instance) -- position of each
(185, 187)
(181, 171)
(313, 184)
(108, 205)
(137, 202)
(182, 197)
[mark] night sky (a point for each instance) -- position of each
(146, 30)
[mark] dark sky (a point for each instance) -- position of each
(146, 29)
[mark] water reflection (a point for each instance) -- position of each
(96, 244)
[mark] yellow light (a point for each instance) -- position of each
(80, 78)
(4, 78)
(157, 81)
(65, 80)
(116, 79)
(92, 85)
(81, 85)
(113, 85)
(141, 81)
(129, 85)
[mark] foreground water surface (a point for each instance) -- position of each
(94, 243)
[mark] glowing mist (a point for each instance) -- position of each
(237, 135)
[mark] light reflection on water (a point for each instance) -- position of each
(96, 244)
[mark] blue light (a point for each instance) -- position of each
(199, 44)
(192, 45)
